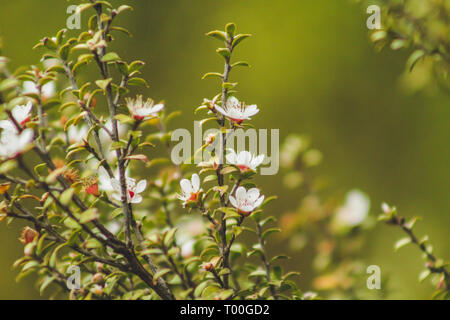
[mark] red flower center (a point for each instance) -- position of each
(243, 167)
(93, 189)
(25, 121)
(193, 197)
(137, 117)
(131, 194)
(238, 121)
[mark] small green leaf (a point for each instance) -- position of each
(414, 58)
(66, 196)
(224, 52)
(89, 215)
(219, 35)
(159, 274)
(103, 84)
(239, 38)
(230, 28)
(110, 57)
(401, 243)
(212, 74)
(137, 82)
(269, 232)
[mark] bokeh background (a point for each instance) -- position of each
(313, 72)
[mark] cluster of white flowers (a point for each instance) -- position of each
(13, 142)
(244, 201)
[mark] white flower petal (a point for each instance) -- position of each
(116, 185)
(258, 202)
(221, 110)
(233, 202)
(136, 199)
(241, 194)
(158, 107)
(141, 186)
(195, 182)
(186, 186)
(252, 194)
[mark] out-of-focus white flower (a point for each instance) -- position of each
(237, 111)
(12, 143)
(133, 189)
(104, 180)
(244, 160)
(21, 113)
(113, 227)
(190, 189)
(76, 135)
(246, 201)
(48, 89)
(141, 110)
(355, 209)
(105, 138)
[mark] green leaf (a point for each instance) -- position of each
(136, 66)
(103, 84)
(424, 275)
(257, 273)
(219, 35)
(239, 38)
(110, 56)
(159, 274)
(169, 237)
(89, 215)
(414, 58)
(84, 6)
(137, 82)
(269, 232)
(230, 28)
(401, 243)
(123, 118)
(66, 196)
(123, 8)
(8, 84)
(398, 44)
(64, 51)
(212, 74)
(240, 64)
(54, 256)
(47, 281)
(224, 52)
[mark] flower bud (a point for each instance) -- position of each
(28, 235)
(98, 278)
(97, 290)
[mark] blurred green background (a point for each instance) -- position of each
(313, 72)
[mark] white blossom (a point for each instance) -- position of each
(133, 189)
(21, 114)
(12, 143)
(237, 111)
(354, 210)
(190, 189)
(141, 110)
(244, 160)
(246, 201)
(76, 135)
(48, 89)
